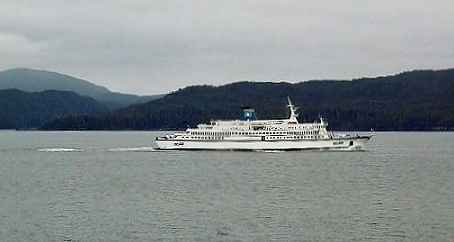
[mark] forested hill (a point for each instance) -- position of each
(25, 110)
(416, 100)
(30, 80)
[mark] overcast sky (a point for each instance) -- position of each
(154, 46)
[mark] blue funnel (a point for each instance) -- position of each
(248, 114)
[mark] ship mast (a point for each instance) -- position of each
(293, 114)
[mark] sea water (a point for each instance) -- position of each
(114, 186)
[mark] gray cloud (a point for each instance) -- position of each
(156, 46)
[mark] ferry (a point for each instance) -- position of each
(248, 133)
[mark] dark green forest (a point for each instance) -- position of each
(416, 100)
(25, 110)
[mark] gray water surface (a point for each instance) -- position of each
(112, 186)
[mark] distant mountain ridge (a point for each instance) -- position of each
(28, 110)
(415, 100)
(31, 80)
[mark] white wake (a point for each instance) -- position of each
(58, 149)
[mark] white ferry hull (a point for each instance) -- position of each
(348, 144)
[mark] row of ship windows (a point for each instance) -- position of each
(255, 133)
(202, 137)
(293, 137)
(293, 128)
(304, 127)
(270, 138)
